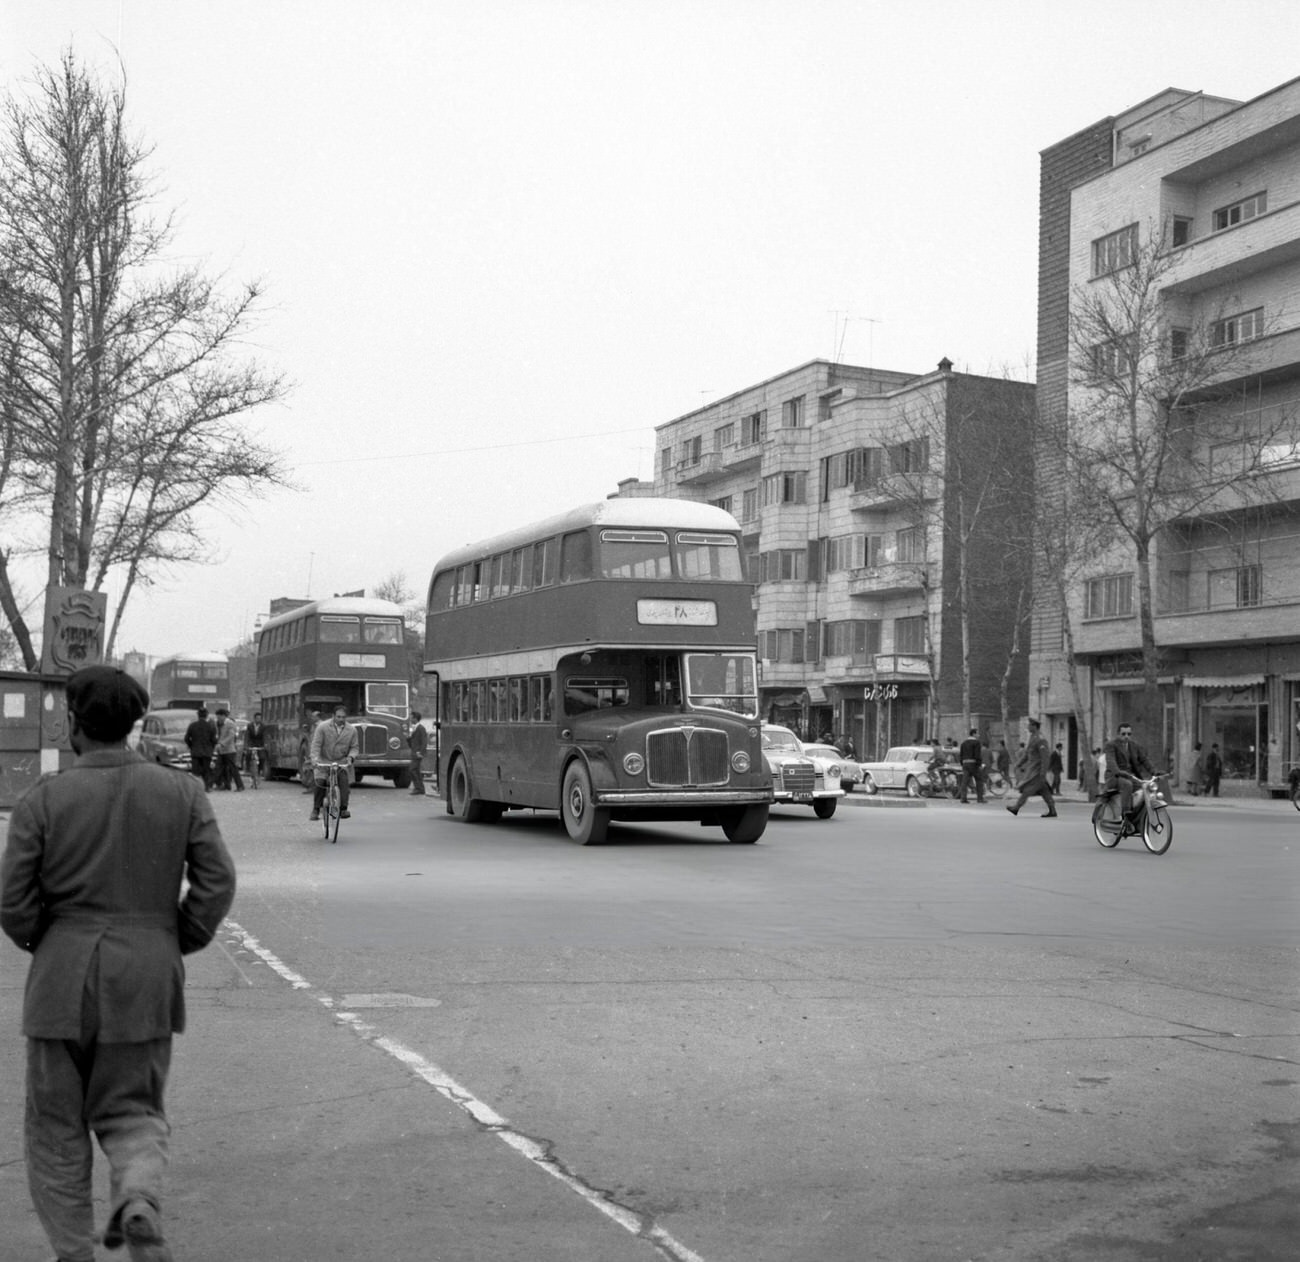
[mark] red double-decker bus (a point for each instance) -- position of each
(601, 664)
(347, 651)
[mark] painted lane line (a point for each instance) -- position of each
(639, 1225)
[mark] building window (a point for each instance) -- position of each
(753, 428)
(724, 436)
(911, 544)
(792, 413)
(1180, 231)
(1110, 597)
(812, 641)
(1237, 328)
(749, 506)
(784, 488)
(912, 456)
(1117, 250)
(665, 461)
(1240, 212)
(909, 634)
(692, 449)
(1178, 343)
(855, 638)
(1112, 360)
(724, 503)
(785, 565)
(1238, 588)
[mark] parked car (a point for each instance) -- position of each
(903, 767)
(162, 737)
(850, 771)
(798, 778)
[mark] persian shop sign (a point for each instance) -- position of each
(74, 630)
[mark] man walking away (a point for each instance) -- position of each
(418, 741)
(90, 884)
(1213, 771)
(201, 740)
(972, 766)
(335, 741)
(1056, 768)
(1032, 766)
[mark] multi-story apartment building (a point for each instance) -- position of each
(1216, 183)
(845, 481)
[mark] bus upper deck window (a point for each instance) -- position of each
(709, 556)
(634, 554)
(383, 631)
(336, 630)
(575, 557)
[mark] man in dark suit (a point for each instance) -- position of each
(1124, 754)
(201, 738)
(90, 884)
(418, 740)
(972, 766)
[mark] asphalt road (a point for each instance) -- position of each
(900, 1035)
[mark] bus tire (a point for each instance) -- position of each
(744, 824)
(471, 809)
(582, 820)
(402, 780)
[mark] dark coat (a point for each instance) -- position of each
(90, 883)
(1032, 766)
(201, 737)
(1125, 756)
(418, 740)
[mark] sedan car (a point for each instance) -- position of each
(903, 767)
(796, 777)
(162, 737)
(823, 755)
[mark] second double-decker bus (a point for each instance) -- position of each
(602, 664)
(186, 681)
(347, 651)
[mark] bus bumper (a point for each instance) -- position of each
(682, 797)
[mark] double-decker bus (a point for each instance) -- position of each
(601, 663)
(346, 651)
(186, 681)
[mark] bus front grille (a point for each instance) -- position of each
(373, 739)
(687, 756)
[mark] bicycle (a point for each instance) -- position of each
(1148, 817)
(995, 785)
(253, 759)
(333, 803)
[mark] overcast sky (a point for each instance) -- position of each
(504, 240)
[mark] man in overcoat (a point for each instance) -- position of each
(90, 884)
(418, 742)
(1033, 769)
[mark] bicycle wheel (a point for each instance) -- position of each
(1157, 829)
(1107, 822)
(335, 807)
(996, 785)
(254, 770)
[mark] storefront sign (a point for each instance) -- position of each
(74, 630)
(880, 692)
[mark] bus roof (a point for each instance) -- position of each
(192, 657)
(643, 512)
(338, 605)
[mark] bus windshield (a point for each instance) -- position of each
(722, 681)
(634, 554)
(387, 699)
(708, 557)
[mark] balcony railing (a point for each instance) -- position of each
(893, 491)
(889, 578)
(1260, 245)
(902, 665)
(708, 468)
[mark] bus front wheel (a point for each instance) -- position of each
(744, 823)
(471, 809)
(582, 820)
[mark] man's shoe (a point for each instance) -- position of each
(315, 815)
(345, 815)
(143, 1231)
(1015, 810)
(1049, 815)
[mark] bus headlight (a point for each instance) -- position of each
(740, 760)
(633, 764)
(394, 743)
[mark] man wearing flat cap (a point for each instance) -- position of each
(90, 884)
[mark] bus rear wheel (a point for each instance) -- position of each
(744, 823)
(582, 820)
(471, 809)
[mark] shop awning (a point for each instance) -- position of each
(816, 695)
(1222, 681)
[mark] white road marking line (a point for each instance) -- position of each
(486, 1116)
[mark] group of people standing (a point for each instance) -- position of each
(213, 746)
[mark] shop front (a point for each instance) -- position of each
(1232, 713)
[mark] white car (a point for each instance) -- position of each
(824, 755)
(797, 777)
(903, 767)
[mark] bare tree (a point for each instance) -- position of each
(396, 589)
(1157, 391)
(122, 375)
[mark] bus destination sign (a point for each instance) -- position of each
(677, 613)
(366, 661)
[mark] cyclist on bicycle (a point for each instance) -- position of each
(1124, 754)
(333, 741)
(255, 744)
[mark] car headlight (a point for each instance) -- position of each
(740, 760)
(633, 764)
(833, 770)
(394, 743)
